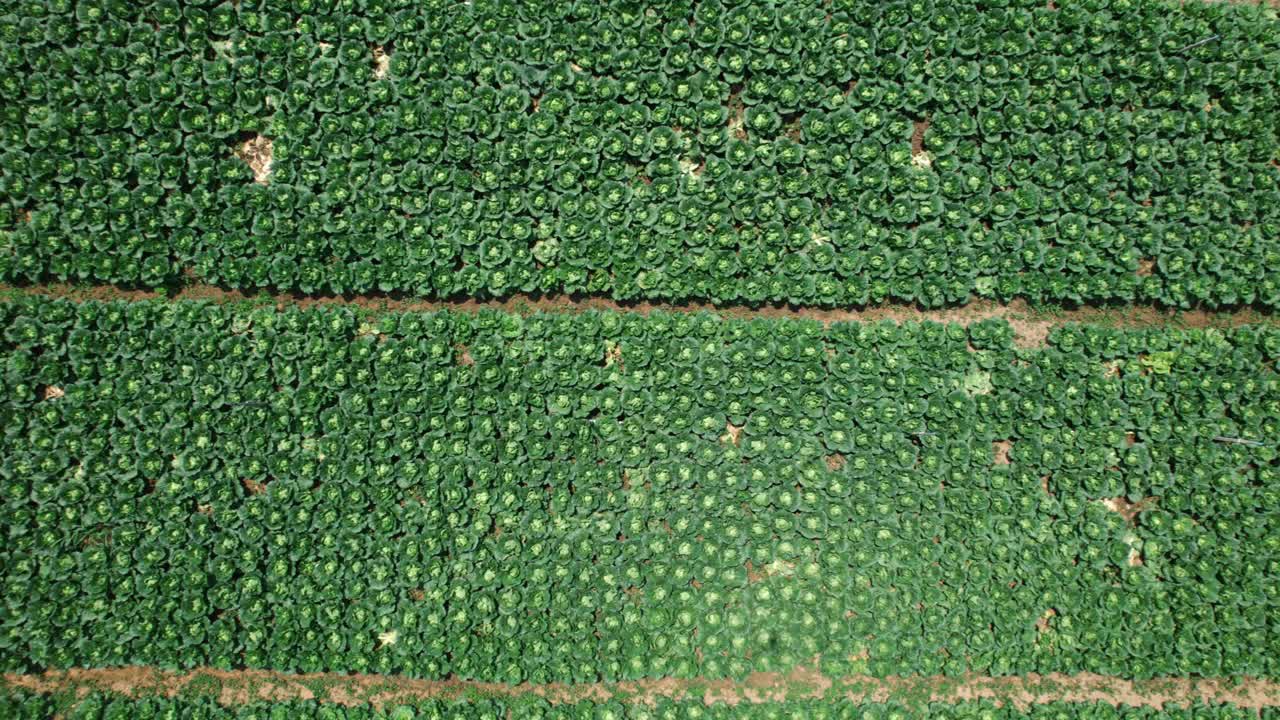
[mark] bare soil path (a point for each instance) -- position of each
(1031, 324)
(243, 686)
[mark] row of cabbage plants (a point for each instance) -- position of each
(19, 705)
(818, 153)
(612, 496)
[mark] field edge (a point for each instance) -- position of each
(240, 687)
(1031, 324)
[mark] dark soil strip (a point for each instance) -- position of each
(240, 687)
(920, 127)
(1266, 3)
(1031, 325)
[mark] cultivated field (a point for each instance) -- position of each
(767, 359)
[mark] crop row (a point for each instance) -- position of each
(819, 153)
(18, 705)
(611, 496)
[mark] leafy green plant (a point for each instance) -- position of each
(772, 153)
(611, 496)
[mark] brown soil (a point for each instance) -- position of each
(256, 153)
(1127, 510)
(464, 356)
(1000, 452)
(1031, 326)
(253, 487)
(1032, 689)
(764, 572)
(51, 392)
(244, 686)
(1030, 333)
(731, 433)
(737, 116)
(1046, 620)
(917, 135)
(835, 462)
(381, 62)
(1146, 267)
(919, 157)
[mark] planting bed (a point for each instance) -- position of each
(695, 359)
(819, 153)
(570, 498)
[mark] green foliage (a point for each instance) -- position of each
(19, 705)
(743, 152)
(1159, 362)
(612, 496)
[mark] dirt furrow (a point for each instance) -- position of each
(1031, 324)
(244, 686)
